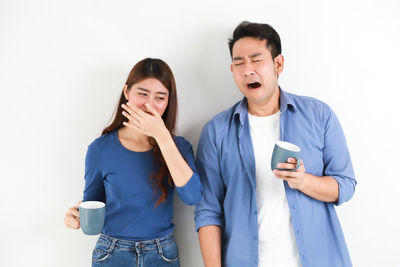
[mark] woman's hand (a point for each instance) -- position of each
(71, 218)
(149, 123)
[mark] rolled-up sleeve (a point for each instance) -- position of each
(209, 210)
(191, 192)
(336, 156)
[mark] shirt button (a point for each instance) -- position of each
(292, 207)
(297, 231)
(255, 212)
(255, 238)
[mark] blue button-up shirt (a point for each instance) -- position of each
(226, 164)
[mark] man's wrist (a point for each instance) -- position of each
(304, 182)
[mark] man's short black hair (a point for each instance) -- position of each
(259, 31)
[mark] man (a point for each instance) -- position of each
(250, 215)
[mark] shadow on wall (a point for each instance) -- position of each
(205, 87)
(205, 83)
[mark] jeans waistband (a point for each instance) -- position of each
(137, 245)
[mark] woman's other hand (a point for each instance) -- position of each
(71, 218)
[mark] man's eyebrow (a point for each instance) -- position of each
(251, 56)
(255, 55)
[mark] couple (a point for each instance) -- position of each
(246, 215)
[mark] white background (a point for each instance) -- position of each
(63, 65)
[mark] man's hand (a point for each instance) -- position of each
(295, 178)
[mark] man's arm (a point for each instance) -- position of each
(209, 211)
(210, 244)
(338, 183)
(324, 188)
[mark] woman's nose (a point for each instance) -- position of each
(150, 102)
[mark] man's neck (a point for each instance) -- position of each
(267, 108)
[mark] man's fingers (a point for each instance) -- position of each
(286, 166)
(285, 173)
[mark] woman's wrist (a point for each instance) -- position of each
(163, 138)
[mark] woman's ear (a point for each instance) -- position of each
(126, 93)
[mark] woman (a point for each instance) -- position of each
(134, 167)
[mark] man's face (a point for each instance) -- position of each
(254, 70)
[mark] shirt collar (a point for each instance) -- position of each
(285, 101)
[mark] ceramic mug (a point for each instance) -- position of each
(282, 151)
(92, 214)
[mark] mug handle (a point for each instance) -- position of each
(297, 165)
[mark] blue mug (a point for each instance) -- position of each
(92, 214)
(283, 151)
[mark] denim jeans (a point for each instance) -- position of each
(113, 252)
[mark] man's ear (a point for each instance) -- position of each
(279, 63)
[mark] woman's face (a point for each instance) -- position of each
(150, 91)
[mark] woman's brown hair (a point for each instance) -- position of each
(158, 69)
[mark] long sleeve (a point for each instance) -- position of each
(209, 210)
(191, 192)
(336, 157)
(94, 185)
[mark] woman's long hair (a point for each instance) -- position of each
(158, 69)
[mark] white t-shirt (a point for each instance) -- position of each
(276, 244)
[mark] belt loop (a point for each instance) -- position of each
(159, 246)
(114, 241)
(138, 246)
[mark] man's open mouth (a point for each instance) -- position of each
(253, 85)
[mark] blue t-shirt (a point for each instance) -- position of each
(121, 178)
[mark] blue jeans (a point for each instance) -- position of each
(113, 252)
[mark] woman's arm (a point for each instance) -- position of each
(177, 166)
(180, 164)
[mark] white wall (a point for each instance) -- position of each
(63, 64)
